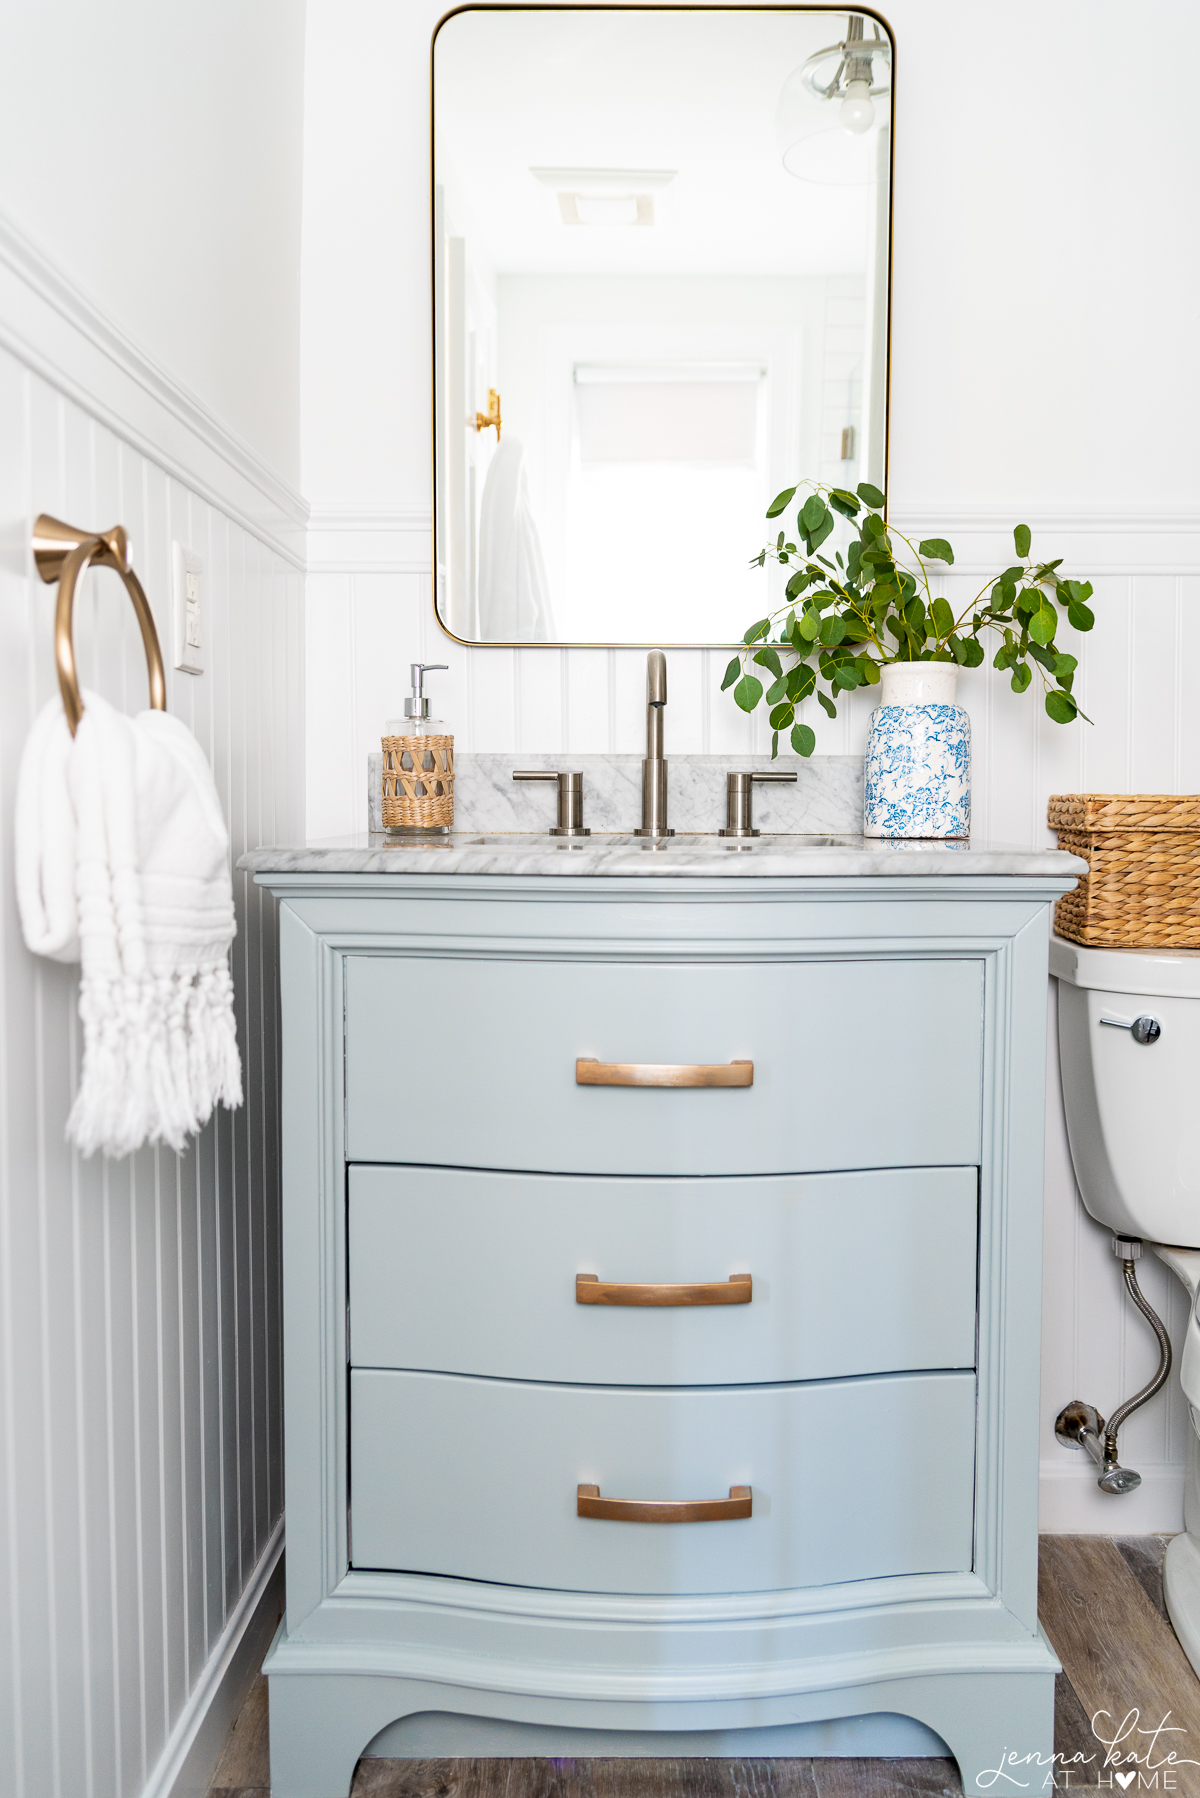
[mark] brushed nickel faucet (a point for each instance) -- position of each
(654, 768)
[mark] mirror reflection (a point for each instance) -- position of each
(660, 296)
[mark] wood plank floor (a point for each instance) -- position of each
(1100, 1600)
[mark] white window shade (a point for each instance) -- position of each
(668, 412)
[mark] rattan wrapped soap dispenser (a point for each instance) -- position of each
(418, 766)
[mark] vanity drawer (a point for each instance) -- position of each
(472, 1062)
(479, 1478)
(472, 1272)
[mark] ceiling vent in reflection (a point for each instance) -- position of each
(608, 197)
(668, 412)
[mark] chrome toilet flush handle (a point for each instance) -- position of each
(1142, 1030)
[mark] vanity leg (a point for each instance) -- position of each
(1000, 1729)
(320, 1725)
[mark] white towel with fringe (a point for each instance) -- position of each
(122, 864)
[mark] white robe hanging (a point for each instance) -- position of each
(514, 596)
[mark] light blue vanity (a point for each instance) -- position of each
(461, 1415)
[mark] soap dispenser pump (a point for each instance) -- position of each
(418, 765)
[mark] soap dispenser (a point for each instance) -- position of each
(418, 766)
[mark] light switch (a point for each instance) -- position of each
(190, 623)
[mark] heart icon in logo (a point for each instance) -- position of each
(1125, 1780)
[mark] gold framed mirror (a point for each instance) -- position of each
(661, 294)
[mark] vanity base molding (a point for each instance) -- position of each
(909, 1635)
(331, 1704)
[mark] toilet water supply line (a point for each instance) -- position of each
(1079, 1425)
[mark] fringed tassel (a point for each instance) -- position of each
(158, 1054)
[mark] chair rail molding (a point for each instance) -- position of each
(51, 324)
(348, 538)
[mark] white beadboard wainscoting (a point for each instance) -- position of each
(140, 1435)
(368, 617)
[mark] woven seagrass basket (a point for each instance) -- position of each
(1142, 887)
(418, 783)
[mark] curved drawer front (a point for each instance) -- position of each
(473, 1063)
(479, 1479)
(471, 1272)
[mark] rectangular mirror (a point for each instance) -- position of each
(661, 290)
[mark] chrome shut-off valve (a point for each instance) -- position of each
(1079, 1425)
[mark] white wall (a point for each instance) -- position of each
(1044, 360)
(154, 153)
(140, 1466)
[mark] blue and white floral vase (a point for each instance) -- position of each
(918, 769)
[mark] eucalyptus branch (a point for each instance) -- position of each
(878, 603)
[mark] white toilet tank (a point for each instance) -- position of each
(1133, 1109)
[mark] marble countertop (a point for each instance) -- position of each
(692, 856)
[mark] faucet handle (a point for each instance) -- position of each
(739, 816)
(570, 798)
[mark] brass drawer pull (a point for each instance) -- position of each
(590, 1289)
(590, 1072)
(589, 1503)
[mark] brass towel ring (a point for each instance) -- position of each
(62, 553)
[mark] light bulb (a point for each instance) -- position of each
(857, 113)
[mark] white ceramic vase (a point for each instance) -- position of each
(918, 766)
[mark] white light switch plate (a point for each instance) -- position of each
(190, 610)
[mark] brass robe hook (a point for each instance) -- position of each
(485, 420)
(61, 553)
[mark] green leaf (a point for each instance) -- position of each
(1064, 666)
(748, 692)
(833, 630)
(774, 744)
(1081, 616)
(943, 617)
(799, 581)
(780, 501)
(974, 653)
(801, 681)
(914, 617)
(1021, 539)
(937, 549)
(869, 671)
(812, 512)
(827, 704)
(804, 740)
(1044, 621)
(769, 658)
(761, 629)
(871, 494)
(810, 623)
(732, 672)
(782, 716)
(843, 502)
(817, 537)
(958, 649)
(1022, 674)
(777, 691)
(1061, 707)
